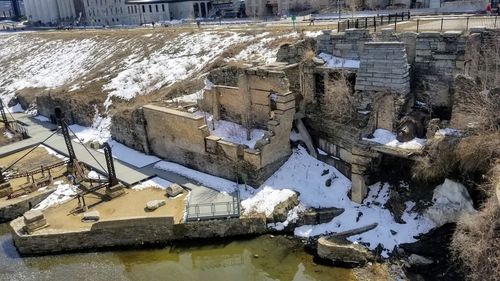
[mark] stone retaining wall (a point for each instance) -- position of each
(129, 232)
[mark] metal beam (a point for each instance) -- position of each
(67, 138)
(112, 180)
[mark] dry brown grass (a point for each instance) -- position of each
(338, 101)
(476, 242)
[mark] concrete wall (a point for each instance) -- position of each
(129, 232)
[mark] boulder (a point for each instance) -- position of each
(36, 225)
(450, 200)
(155, 204)
(32, 216)
(416, 260)
(314, 216)
(341, 250)
(280, 212)
(91, 216)
(174, 190)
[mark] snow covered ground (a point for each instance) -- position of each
(307, 176)
(207, 180)
(178, 59)
(232, 132)
(388, 138)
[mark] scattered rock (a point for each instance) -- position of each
(393, 232)
(34, 220)
(32, 216)
(155, 204)
(396, 205)
(256, 256)
(451, 199)
(91, 216)
(280, 212)
(341, 250)
(416, 260)
(328, 182)
(174, 190)
(317, 216)
(325, 172)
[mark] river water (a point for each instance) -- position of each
(262, 258)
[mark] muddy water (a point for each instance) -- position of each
(262, 258)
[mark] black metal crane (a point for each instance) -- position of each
(112, 180)
(4, 116)
(65, 131)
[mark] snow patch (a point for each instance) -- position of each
(155, 182)
(42, 118)
(388, 138)
(214, 182)
(448, 132)
(130, 156)
(62, 194)
(232, 132)
(338, 62)
(451, 200)
(265, 200)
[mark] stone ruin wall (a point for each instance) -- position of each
(184, 138)
(129, 128)
(349, 44)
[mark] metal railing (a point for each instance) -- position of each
(403, 22)
(373, 22)
(449, 23)
(216, 210)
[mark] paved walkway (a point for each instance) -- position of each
(126, 173)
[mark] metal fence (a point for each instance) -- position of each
(217, 210)
(402, 22)
(449, 23)
(373, 22)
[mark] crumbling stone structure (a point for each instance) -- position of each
(261, 100)
(348, 44)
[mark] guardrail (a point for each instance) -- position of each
(217, 210)
(373, 22)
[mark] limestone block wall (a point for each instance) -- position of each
(170, 130)
(383, 68)
(349, 44)
(438, 58)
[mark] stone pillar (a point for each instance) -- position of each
(358, 189)
(216, 103)
(360, 168)
(244, 87)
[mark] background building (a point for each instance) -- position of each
(54, 11)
